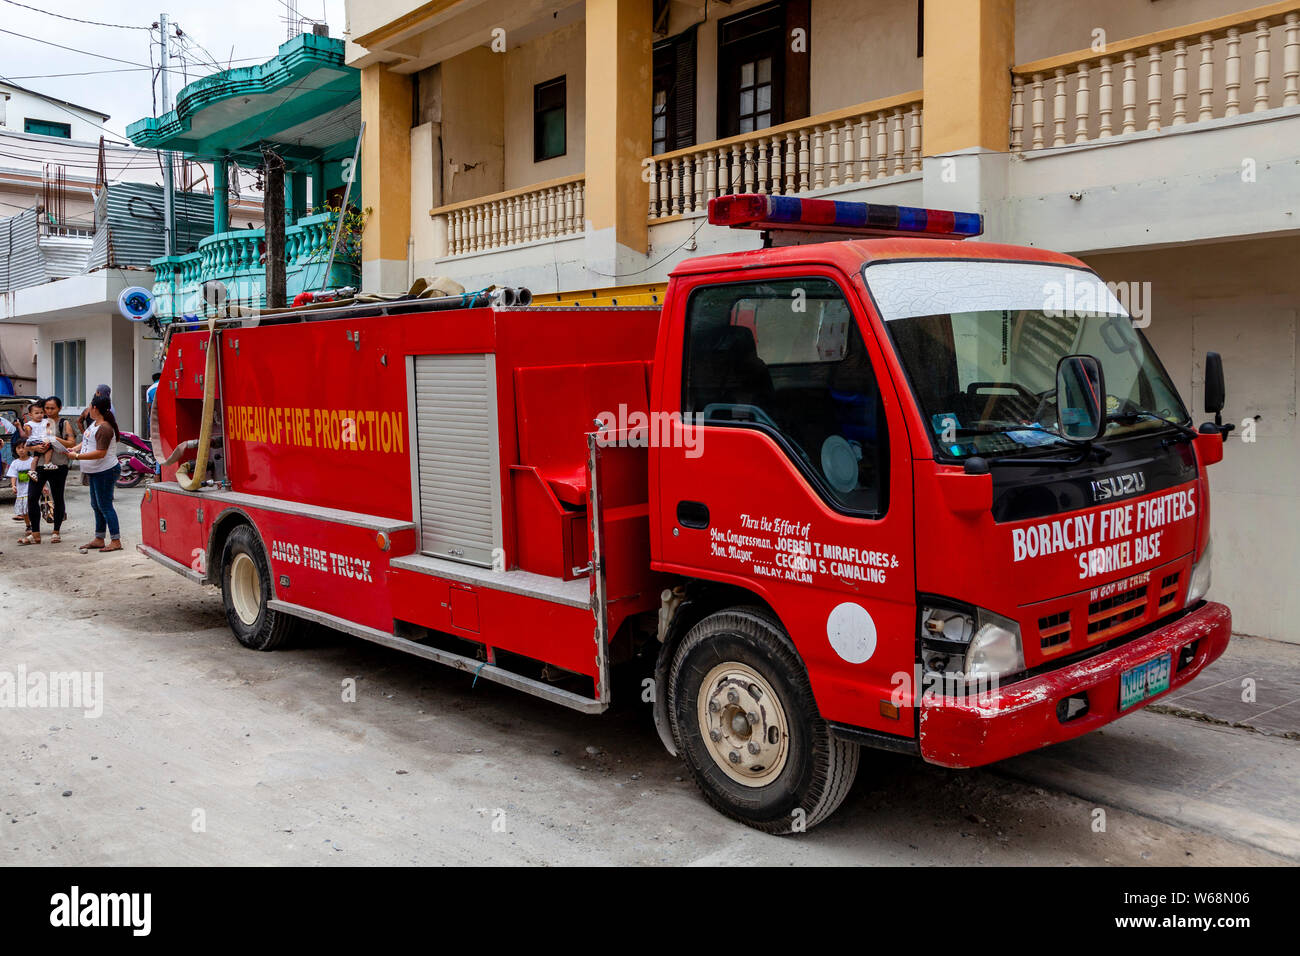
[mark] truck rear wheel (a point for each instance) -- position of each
(246, 592)
(745, 721)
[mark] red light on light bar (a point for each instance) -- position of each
(761, 211)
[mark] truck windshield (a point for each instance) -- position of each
(980, 342)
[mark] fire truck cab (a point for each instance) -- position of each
(904, 492)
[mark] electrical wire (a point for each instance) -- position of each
(71, 49)
(93, 23)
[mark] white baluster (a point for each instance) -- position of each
(818, 159)
(653, 190)
(663, 189)
(864, 149)
(898, 146)
(1130, 93)
(697, 164)
(1017, 114)
(579, 206)
(833, 155)
(914, 138)
(1058, 109)
(723, 171)
(1261, 65)
(1105, 98)
(774, 165)
(737, 169)
(846, 151)
(1154, 79)
(760, 173)
(1036, 112)
(882, 144)
(791, 164)
(570, 208)
(803, 160)
(1180, 83)
(676, 185)
(1205, 79)
(710, 176)
(1232, 74)
(747, 164)
(1081, 114)
(1291, 61)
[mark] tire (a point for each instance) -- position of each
(246, 591)
(783, 773)
(127, 477)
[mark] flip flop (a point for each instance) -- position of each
(27, 540)
(106, 550)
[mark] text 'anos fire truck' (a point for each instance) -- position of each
(902, 491)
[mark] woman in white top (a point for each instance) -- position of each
(98, 456)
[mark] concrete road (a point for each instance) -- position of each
(206, 753)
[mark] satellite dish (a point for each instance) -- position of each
(136, 303)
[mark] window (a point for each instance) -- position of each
(548, 120)
(70, 371)
(47, 128)
(763, 75)
(786, 357)
(674, 93)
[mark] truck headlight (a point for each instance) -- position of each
(965, 642)
(995, 650)
(1200, 580)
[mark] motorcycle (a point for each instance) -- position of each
(135, 460)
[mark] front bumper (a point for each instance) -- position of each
(1011, 720)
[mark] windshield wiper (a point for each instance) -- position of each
(1130, 415)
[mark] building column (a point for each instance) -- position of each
(295, 197)
(969, 53)
(220, 195)
(385, 178)
(618, 109)
(318, 183)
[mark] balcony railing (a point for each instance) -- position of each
(548, 210)
(853, 145)
(236, 259)
(1211, 50)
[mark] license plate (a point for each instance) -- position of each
(1146, 680)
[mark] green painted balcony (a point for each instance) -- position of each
(236, 260)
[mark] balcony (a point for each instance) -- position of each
(1097, 137)
(236, 260)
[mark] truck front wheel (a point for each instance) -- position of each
(745, 721)
(246, 592)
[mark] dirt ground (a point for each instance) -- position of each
(207, 753)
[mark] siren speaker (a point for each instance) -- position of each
(136, 303)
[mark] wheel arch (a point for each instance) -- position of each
(225, 523)
(703, 597)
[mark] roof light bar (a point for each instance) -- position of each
(761, 211)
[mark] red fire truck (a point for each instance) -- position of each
(881, 487)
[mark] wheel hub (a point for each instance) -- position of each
(744, 723)
(245, 589)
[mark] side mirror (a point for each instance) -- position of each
(1080, 398)
(1214, 389)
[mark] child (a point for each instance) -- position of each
(39, 430)
(19, 474)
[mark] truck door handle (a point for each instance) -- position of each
(692, 514)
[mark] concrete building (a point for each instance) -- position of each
(80, 218)
(567, 144)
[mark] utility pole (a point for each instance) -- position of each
(168, 248)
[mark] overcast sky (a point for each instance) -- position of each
(250, 31)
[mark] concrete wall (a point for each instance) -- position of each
(16, 107)
(1241, 299)
(473, 127)
(860, 51)
(1048, 27)
(99, 335)
(560, 53)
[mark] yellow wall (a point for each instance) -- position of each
(618, 98)
(386, 162)
(559, 53)
(969, 46)
(473, 97)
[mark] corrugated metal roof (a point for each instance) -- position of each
(21, 261)
(129, 224)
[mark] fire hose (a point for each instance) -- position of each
(195, 472)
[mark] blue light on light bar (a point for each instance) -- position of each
(761, 211)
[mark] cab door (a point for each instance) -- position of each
(786, 471)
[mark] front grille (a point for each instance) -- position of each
(1168, 590)
(1109, 615)
(1054, 630)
